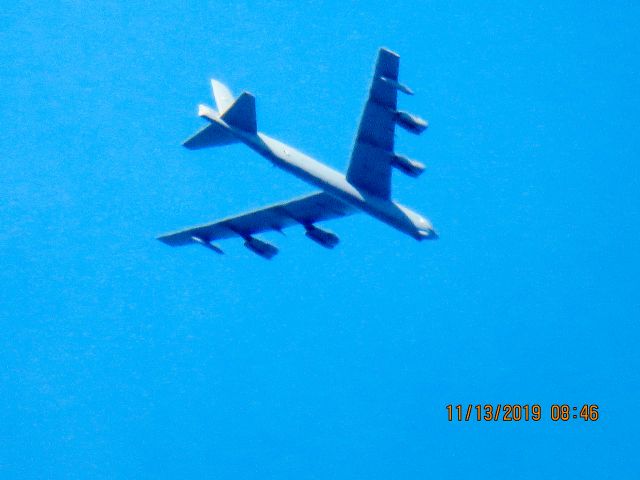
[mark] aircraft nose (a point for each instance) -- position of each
(428, 234)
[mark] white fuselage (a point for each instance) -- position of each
(335, 183)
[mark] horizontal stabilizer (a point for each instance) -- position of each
(242, 114)
(205, 111)
(211, 135)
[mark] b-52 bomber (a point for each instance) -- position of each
(366, 187)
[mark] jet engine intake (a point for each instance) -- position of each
(260, 247)
(411, 123)
(322, 237)
(410, 167)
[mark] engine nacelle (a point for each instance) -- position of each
(411, 123)
(410, 167)
(322, 237)
(260, 247)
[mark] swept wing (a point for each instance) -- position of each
(305, 211)
(373, 153)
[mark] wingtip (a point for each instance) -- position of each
(388, 51)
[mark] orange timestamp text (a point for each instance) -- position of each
(511, 412)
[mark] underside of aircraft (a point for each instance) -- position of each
(366, 187)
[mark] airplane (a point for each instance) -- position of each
(366, 187)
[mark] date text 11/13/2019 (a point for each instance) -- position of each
(521, 412)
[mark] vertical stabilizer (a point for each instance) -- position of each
(222, 95)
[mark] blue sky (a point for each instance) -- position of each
(124, 358)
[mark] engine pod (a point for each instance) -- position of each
(411, 123)
(410, 167)
(322, 237)
(260, 247)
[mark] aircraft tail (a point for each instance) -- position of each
(212, 135)
(222, 95)
(242, 113)
(239, 113)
